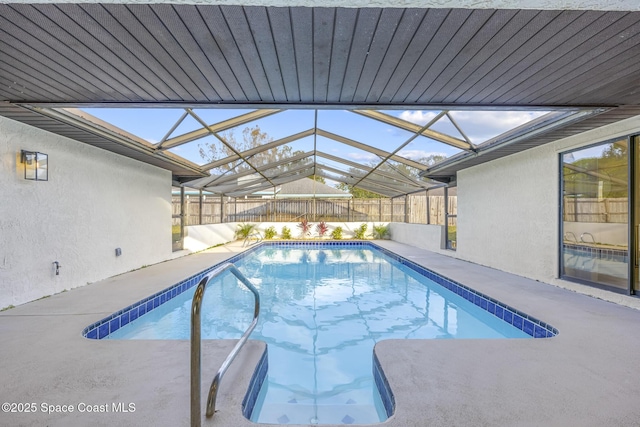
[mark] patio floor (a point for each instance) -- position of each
(585, 376)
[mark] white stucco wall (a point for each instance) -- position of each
(423, 236)
(199, 237)
(508, 209)
(94, 202)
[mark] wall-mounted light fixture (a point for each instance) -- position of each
(36, 165)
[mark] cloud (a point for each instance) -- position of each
(418, 117)
(483, 125)
(419, 154)
(362, 157)
(479, 126)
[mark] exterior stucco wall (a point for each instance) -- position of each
(200, 237)
(508, 209)
(94, 202)
(423, 236)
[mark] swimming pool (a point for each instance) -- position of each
(323, 308)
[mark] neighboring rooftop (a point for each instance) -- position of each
(308, 188)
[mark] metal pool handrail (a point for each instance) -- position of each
(593, 240)
(196, 342)
(257, 235)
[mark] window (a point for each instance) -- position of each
(595, 215)
(451, 214)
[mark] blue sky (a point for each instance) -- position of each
(152, 125)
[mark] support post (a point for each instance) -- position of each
(182, 213)
(428, 207)
(406, 208)
(223, 208)
(200, 208)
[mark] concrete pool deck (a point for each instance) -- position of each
(585, 376)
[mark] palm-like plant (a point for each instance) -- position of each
(381, 231)
(305, 228)
(322, 228)
(244, 230)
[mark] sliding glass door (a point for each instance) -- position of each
(635, 214)
(595, 215)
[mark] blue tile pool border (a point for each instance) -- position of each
(255, 384)
(520, 320)
(530, 325)
(388, 399)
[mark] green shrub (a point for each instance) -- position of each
(286, 233)
(244, 230)
(336, 233)
(360, 232)
(270, 233)
(380, 231)
(176, 232)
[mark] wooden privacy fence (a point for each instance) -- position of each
(612, 210)
(419, 209)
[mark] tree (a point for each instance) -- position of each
(318, 178)
(597, 176)
(358, 193)
(252, 137)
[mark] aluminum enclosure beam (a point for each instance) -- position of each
(414, 128)
(256, 150)
(217, 127)
(372, 150)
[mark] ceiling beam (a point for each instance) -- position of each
(407, 142)
(256, 181)
(414, 128)
(88, 123)
(349, 179)
(216, 127)
(231, 147)
(372, 150)
(263, 168)
(397, 177)
(247, 153)
(292, 175)
(322, 173)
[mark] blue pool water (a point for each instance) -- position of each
(323, 309)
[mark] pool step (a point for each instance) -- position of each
(303, 413)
